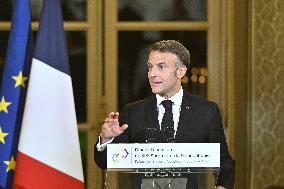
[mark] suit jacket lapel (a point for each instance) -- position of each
(185, 116)
(152, 112)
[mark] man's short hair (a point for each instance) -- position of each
(174, 47)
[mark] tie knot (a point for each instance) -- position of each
(167, 104)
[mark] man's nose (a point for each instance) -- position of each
(152, 72)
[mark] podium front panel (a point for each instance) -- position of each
(163, 155)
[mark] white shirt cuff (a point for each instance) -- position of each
(101, 147)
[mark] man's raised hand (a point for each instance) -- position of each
(111, 127)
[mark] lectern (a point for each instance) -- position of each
(163, 165)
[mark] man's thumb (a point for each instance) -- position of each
(123, 127)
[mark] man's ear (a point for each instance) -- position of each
(181, 71)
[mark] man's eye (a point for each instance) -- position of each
(162, 67)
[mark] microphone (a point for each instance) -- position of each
(149, 135)
(153, 135)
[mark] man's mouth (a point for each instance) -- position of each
(156, 82)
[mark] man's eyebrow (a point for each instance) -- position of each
(159, 63)
(162, 63)
(156, 63)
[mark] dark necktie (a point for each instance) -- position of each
(167, 125)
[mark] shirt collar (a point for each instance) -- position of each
(176, 99)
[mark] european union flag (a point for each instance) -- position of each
(13, 89)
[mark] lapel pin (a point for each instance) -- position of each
(187, 107)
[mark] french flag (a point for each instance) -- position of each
(49, 151)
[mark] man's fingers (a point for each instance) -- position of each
(113, 115)
(111, 126)
(107, 120)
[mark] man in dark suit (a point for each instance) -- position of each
(195, 120)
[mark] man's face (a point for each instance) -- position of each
(163, 74)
